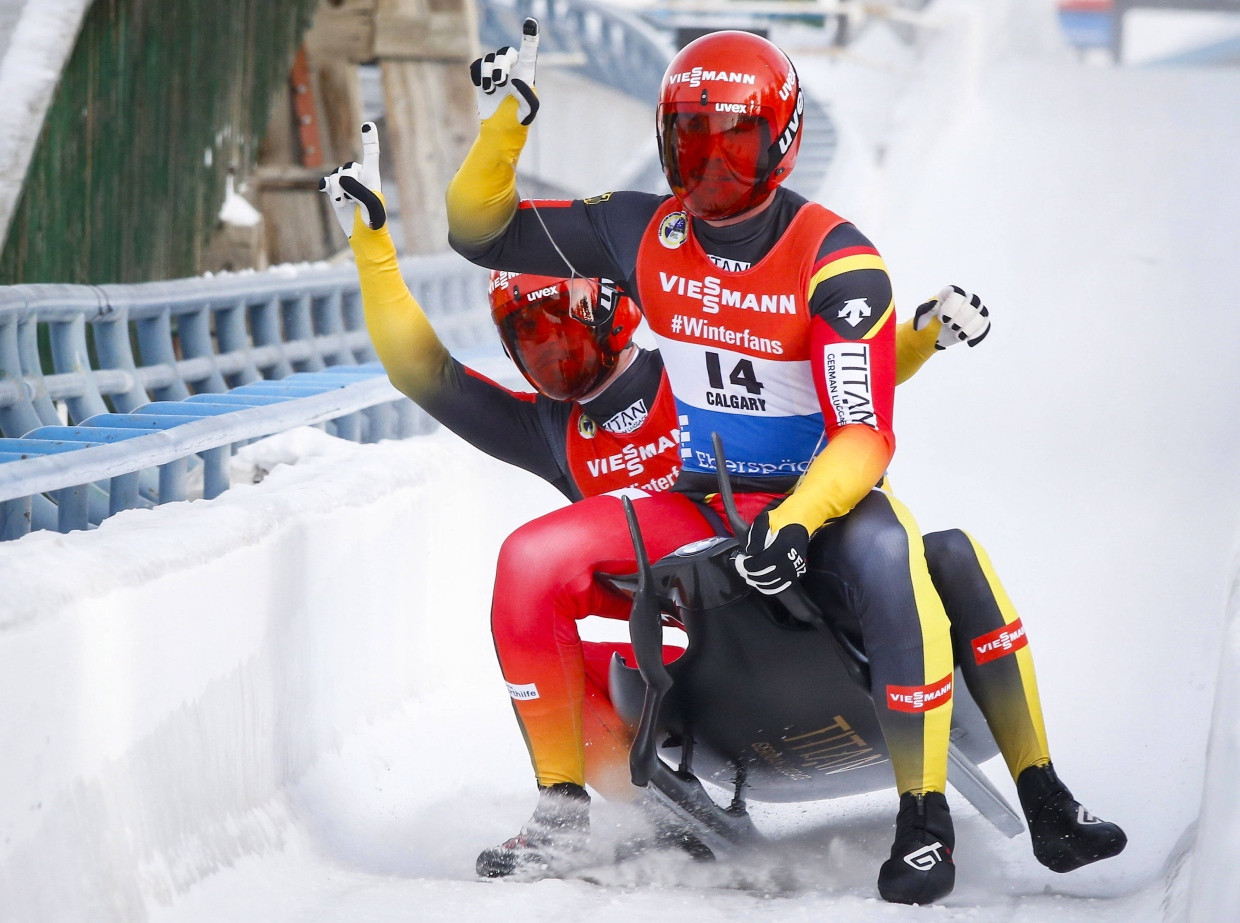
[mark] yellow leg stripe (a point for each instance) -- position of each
(1036, 751)
(937, 656)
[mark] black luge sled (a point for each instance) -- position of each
(767, 700)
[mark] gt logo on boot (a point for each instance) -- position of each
(925, 858)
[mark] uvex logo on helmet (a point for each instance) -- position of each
(563, 334)
(794, 125)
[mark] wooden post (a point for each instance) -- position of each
(424, 48)
(297, 221)
(312, 129)
(342, 36)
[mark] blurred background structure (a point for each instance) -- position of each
(165, 140)
(154, 141)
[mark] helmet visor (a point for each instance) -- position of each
(552, 337)
(717, 163)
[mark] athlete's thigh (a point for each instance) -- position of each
(559, 554)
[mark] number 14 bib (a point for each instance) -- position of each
(736, 344)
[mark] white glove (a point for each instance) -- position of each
(963, 316)
(508, 72)
(355, 185)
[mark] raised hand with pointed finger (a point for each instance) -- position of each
(353, 186)
(508, 72)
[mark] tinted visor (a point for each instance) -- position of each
(554, 339)
(717, 163)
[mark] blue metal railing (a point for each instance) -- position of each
(109, 395)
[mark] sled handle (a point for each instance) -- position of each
(645, 619)
(739, 527)
(794, 599)
(646, 632)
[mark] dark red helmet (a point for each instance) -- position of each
(729, 123)
(563, 334)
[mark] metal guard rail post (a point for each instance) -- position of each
(148, 382)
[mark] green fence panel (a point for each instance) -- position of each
(159, 100)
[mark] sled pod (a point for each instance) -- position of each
(760, 703)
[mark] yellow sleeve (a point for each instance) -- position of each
(914, 347)
(822, 495)
(411, 352)
(482, 196)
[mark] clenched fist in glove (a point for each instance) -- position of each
(357, 185)
(508, 72)
(963, 316)
(773, 561)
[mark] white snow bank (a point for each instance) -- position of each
(167, 677)
(1215, 890)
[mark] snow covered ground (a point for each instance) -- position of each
(282, 705)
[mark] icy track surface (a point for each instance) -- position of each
(1089, 444)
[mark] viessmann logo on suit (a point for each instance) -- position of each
(1000, 642)
(712, 294)
(632, 458)
(920, 698)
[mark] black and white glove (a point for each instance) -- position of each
(357, 185)
(508, 72)
(963, 316)
(773, 561)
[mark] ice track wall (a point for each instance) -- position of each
(1215, 888)
(163, 685)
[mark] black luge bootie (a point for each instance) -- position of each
(555, 840)
(921, 869)
(1065, 835)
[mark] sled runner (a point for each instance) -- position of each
(767, 700)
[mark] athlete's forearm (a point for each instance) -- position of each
(412, 354)
(482, 196)
(851, 464)
(855, 380)
(914, 347)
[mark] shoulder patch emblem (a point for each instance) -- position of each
(586, 427)
(596, 199)
(674, 230)
(854, 311)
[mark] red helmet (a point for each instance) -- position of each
(563, 334)
(729, 122)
